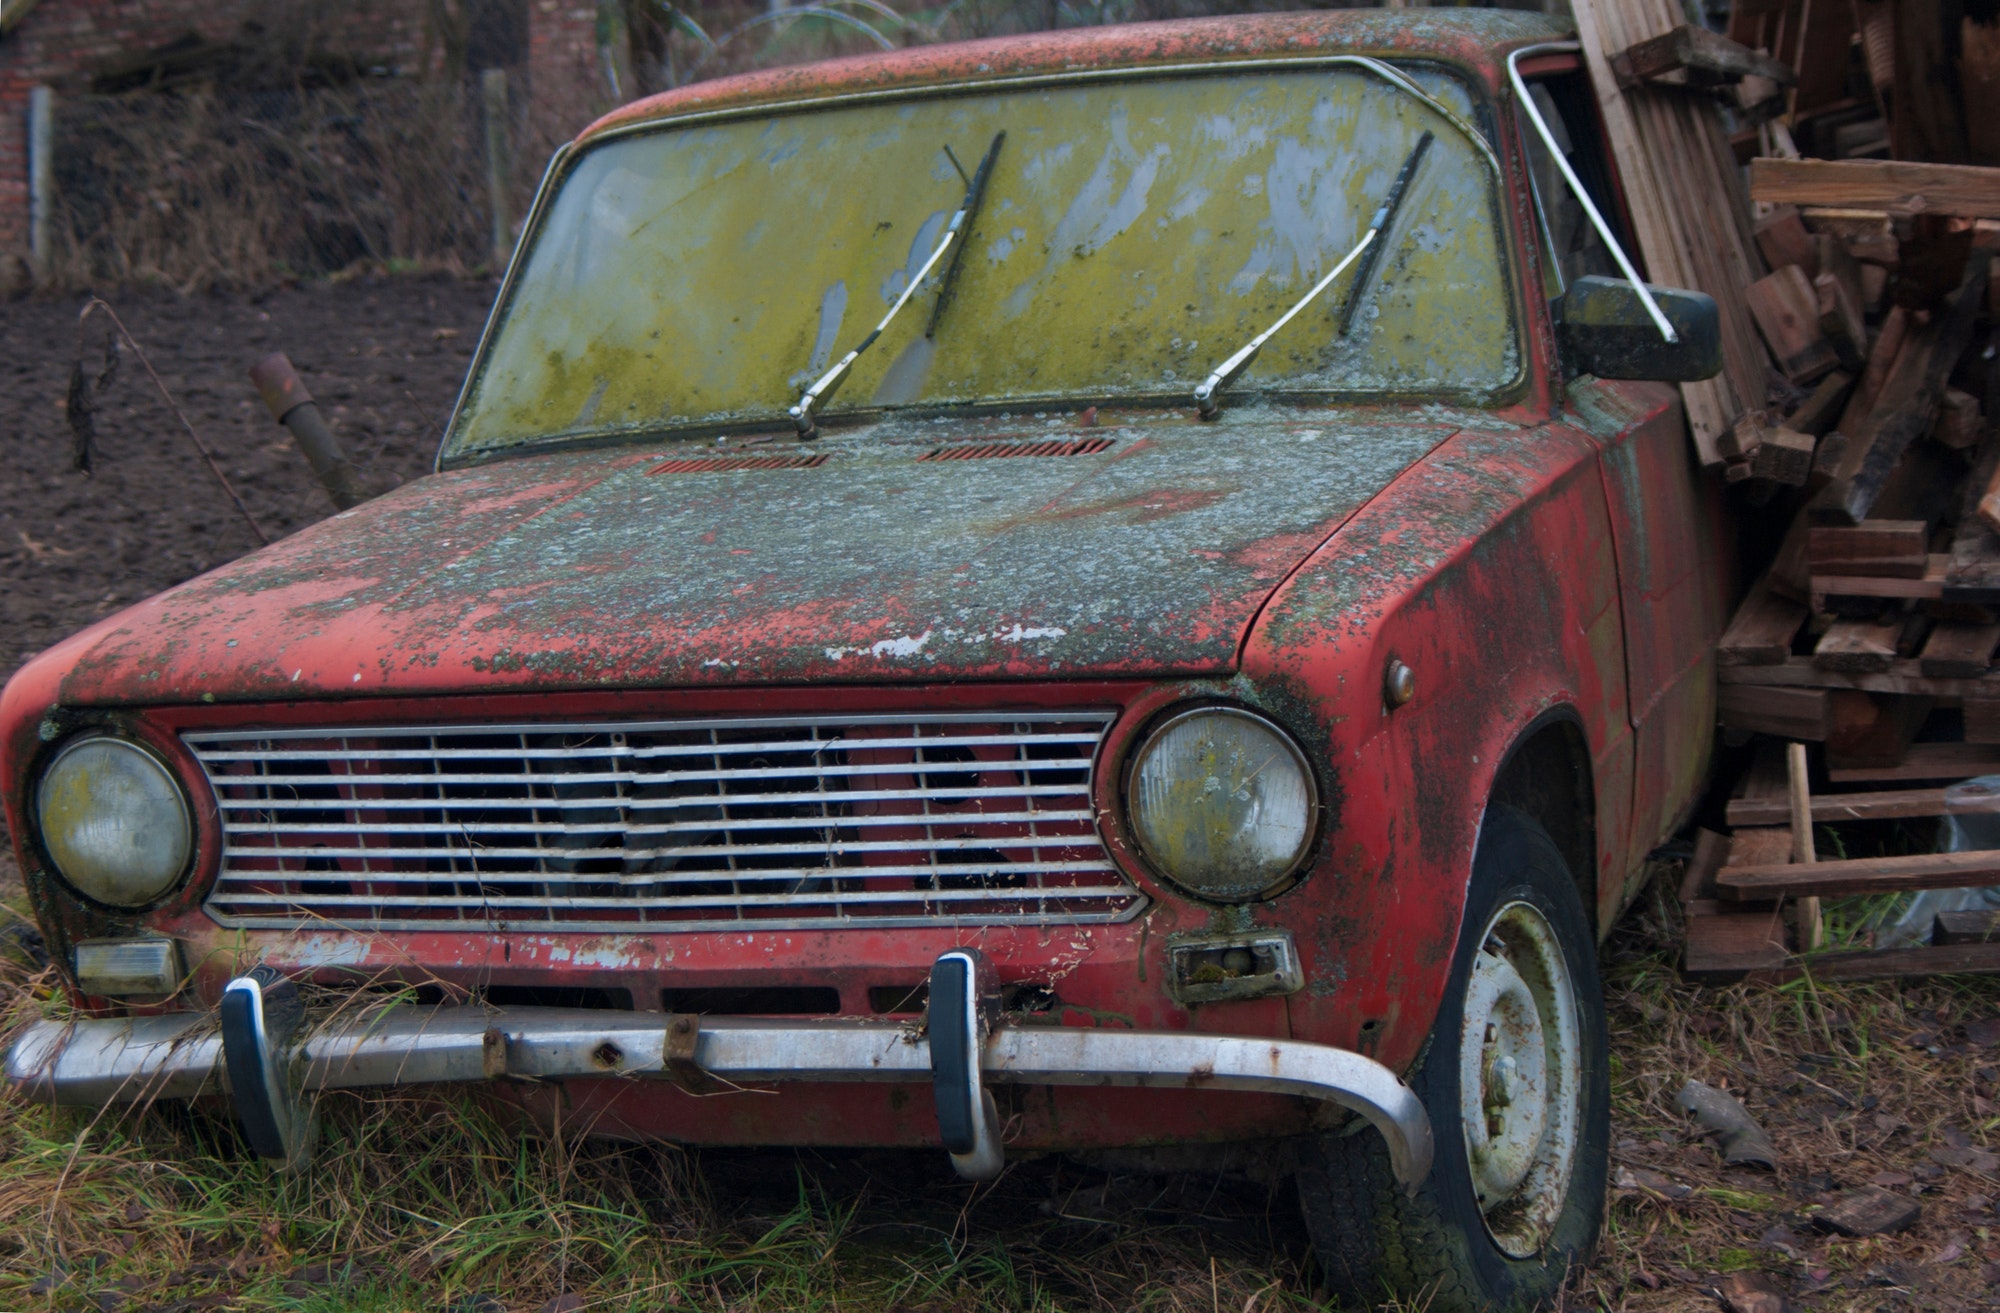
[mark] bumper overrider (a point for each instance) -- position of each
(258, 1047)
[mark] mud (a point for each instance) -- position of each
(384, 358)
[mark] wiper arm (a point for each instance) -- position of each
(829, 382)
(1227, 372)
(1384, 220)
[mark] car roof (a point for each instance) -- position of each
(1477, 39)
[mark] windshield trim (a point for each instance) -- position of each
(1480, 128)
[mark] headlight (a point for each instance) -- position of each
(1222, 803)
(114, 820)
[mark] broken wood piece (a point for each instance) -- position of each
(1871, 729)
(1974, 574)
(1711, 850)
(1956, 650)
(1905, 407)
(1784, 457)
(1812, 928)
(1819, 411)
(1704, 58)
(1790, 713)
(1756, 845)
(1761, 631)
(1868, 1210)
(1903, 186)
(1860, 875)
(1721, 945)
(1858, 645)
(1982, 720)
(1786, 310)
(1988, 505)
(1783, 239)
(1889, 340)
(1969, 926)
(1840, 320)
(1959, 423)
(1743, 437)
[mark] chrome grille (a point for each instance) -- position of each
(665, 825)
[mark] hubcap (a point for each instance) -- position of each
(1520, 1078)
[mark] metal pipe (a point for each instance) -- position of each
(285, 396)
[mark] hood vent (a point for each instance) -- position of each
(990, 450)
(717, 464)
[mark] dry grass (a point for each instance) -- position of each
(428, 1204)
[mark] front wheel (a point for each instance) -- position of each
(1516, 1080)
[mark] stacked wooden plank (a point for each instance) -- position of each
(1681, 182)
(1872, 462)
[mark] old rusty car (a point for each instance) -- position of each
(1076, 592)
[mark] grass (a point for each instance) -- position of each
(426, 1203)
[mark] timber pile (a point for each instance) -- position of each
(1868, 449)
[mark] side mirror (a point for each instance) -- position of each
(1607, 331)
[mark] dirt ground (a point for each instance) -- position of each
(383, 358)
(1896, 1086)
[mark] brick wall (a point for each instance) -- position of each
(62, 42)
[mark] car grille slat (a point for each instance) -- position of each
(748, 822)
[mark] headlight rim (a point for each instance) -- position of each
(1164, 720)
(177, 884)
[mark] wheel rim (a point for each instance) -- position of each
(1520, 1078)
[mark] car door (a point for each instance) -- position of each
(1666, 516)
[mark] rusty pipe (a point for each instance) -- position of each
(285, 396)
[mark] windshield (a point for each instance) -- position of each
(1134, 230)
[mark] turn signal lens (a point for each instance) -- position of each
(1223, 803)
(114, 820)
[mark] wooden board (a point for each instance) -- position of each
(1858, 645)
(1761, 631)
(1829, 546)
(1926, 761)
(1966, 927)
(1788, 713)
(1929, 586)
(1956, 650)
(1904, 675)
(1860, 875)
(1869, 729)
(1883, 805)
(1903, 186)
(1723, 945)
(1879, 964)
(1786, 310)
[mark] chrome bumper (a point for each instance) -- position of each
(95, 1063)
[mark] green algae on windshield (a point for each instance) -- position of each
(1135, 232)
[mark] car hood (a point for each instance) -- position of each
(628, 567)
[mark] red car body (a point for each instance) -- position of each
(1549, 569)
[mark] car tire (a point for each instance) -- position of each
(1515, 1196)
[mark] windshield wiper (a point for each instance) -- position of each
(958, 228)
(1385, 214)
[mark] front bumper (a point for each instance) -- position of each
(96, 1063)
